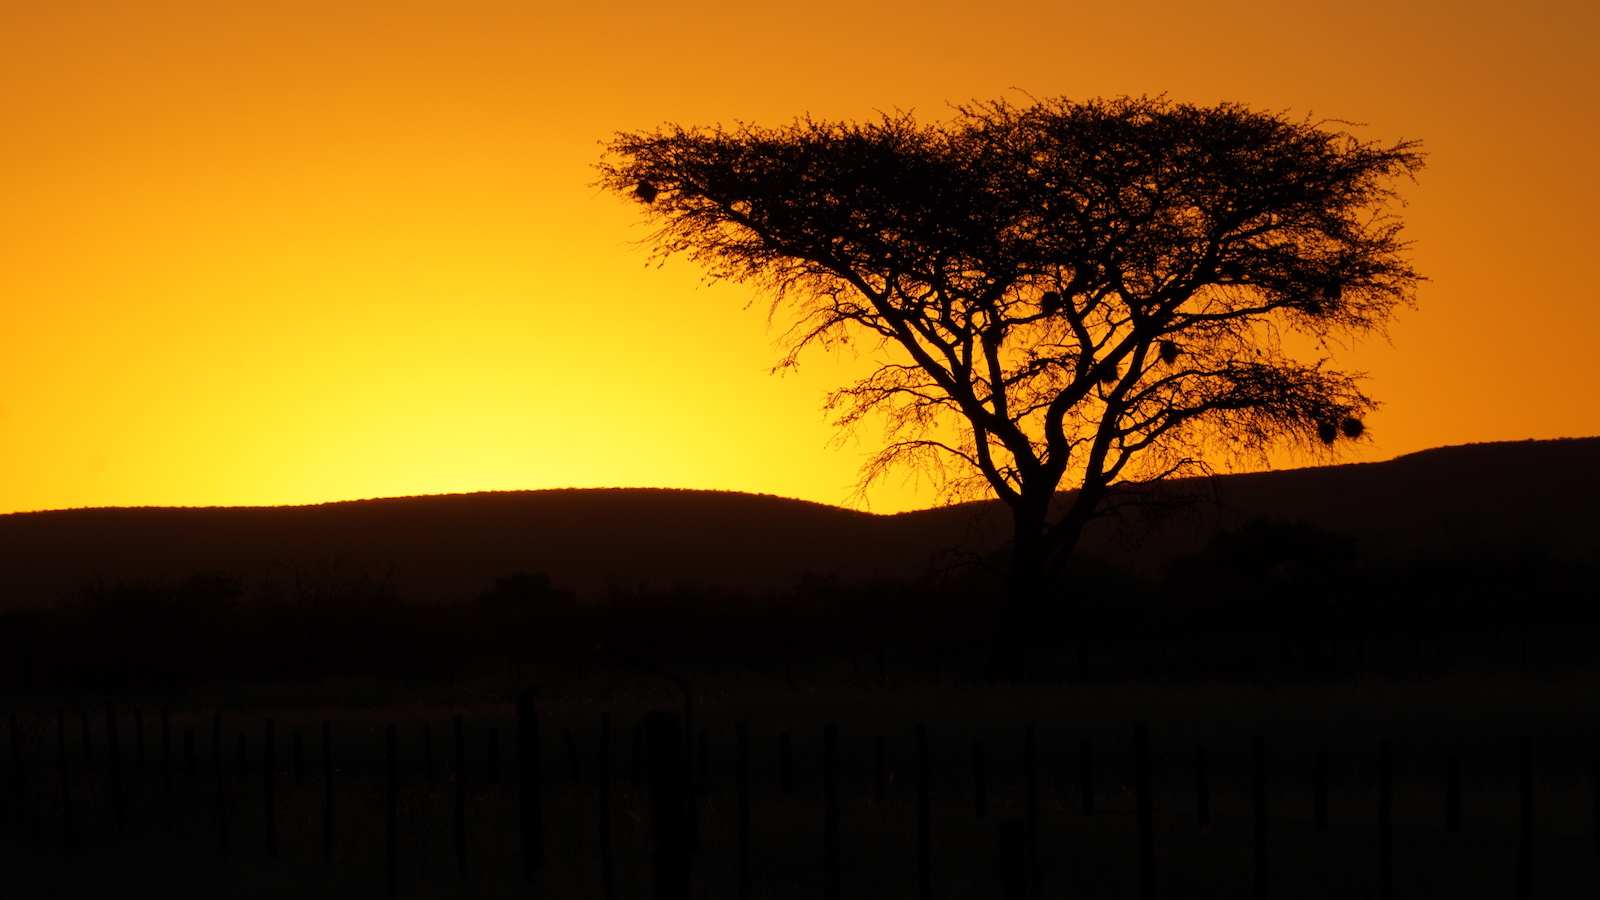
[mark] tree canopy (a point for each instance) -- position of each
(1074, 295)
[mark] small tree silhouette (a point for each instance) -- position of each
(1088, 296)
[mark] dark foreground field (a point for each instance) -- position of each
(1490, 789)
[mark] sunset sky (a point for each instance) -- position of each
(292, 251)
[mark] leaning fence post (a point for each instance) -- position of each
(669, 804)
(528, 786)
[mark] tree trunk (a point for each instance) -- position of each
(1026, 588)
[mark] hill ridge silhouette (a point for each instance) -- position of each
(452, 546)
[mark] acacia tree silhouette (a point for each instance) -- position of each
(1070, 295)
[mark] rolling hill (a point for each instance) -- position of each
(451, 547)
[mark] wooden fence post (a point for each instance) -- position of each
(880, 769)
(1202, 792)
(391, 811)
(299, 760)
(742, 814)
(1146, 811)
(603, 776)
(1086, 777)
(166, 764)
(427, 753)
(924, 817)
(785, 764)
(1525, 845)
(1452, 794)
(15, 804)
(269, 787)
(1319, 791)
(980, 792)
(1258, 810)
(571, 745)
(530, 786)
(669, 804)
(494, 756)
(1013, 860)
(114, 765)
(1030, 783)
(1385, 822)
(831, 880)
(636, 764)
(327, 793)
(461, 794)
(66, 781)
(222, 783)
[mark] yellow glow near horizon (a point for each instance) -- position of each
(294, 251)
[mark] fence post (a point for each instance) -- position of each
(831, 882)
(1385, 822)
(269, 787)
(1258, 809)
(1319, 791)
(1030, 782)
(138, 743)
(880, 769)
(742, 814)
(66, 781)
(114, 763)
(1202, 793)
(572, 755)
(391, 811)
(14, 790)
(1086, 777)
(1525, 845)
(1146, 811)
(461, 794)
(299, 758)
(327, 793)
(494, 756)
(785, 764)
(166, 765)
(427, 753)
(1013, 860)
(222, 783)
(669, 804)
(980, 792)
(529, 786)
(603, 775)
(1452, 794)
(924, 817)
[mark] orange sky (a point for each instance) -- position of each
(289, 251)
